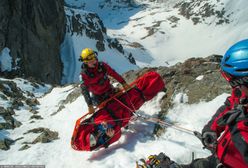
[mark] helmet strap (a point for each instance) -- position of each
(226, 75)
(96, 53)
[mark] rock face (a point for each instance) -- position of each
(13, 96)
(205, 9)
(198, 78)
(90, 24)
(46, 135)
(33, 31)
(5, 143)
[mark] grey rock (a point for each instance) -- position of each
(33, 31)
(36, 130)
(10, 111)
(37, 117)
(10, 89)
(10, 122)
(5, 126)
(4, 16)
(33, 111)
(207, 10)
(32, 102)
(5, 143)
(16, 103)
(69, 99)
(2, 111)
(45, 136)
(114, 43)
(24, 147)
(182, 78)
(100, 46)
(73, 95)
(89, 23)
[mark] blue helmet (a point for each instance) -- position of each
(235, 60)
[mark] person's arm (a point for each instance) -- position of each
(212, 129)
(212, 125)
(113, 73)
(109, 137)
(118, 77)
(115, 134)
(86, 94)
(110, 132)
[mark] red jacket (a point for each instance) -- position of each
(96, 79)
(231, 126)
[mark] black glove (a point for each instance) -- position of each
(157, 161)
(209, 140)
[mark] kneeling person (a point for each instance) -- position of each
(94, 78)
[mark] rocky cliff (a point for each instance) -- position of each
(195, 80)
(83, 23)
(33, 31)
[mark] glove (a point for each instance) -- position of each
(126, 86)
(91, 109)
(209, 140)
(156, 161)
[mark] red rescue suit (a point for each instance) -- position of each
(96, 81)
(231, 126)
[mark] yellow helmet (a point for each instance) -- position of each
(87, 55)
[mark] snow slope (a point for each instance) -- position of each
(136, 143)
(173, 44)
(167, 45)
(171, 41)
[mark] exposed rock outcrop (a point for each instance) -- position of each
(5, 143)
(90, 25)
(45, 136)
(199, 10)
(198, 78)
(15, 95)
(33, 31)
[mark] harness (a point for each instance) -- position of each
(100, 69)
(111, 113)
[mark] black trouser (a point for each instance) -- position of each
(209, 162)
(98, 99)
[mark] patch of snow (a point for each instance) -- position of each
(2, 120)
(5, 60)
(180, 98)
(199, 77)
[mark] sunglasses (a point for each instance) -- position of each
(90, 57)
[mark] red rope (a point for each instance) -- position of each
(124, 105)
